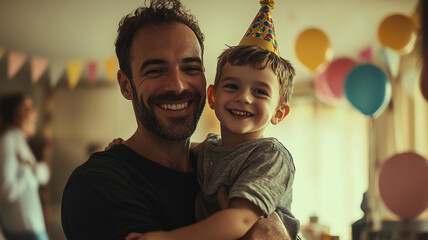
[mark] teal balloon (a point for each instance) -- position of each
(368, 89)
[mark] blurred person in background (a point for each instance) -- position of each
(21, 215)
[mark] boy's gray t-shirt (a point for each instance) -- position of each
(260, 170)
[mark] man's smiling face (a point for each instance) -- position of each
(169, 81)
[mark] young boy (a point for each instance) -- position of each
(252, 89)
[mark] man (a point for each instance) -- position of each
(148, 182)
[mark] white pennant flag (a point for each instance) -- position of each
(56, 70)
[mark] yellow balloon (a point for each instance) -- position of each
(313, 49)
(398, 32)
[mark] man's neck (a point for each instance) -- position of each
(171, 154)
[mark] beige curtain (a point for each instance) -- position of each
(403, 126)
(330, 149)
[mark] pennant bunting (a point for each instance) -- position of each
(74, 71)
(92, 72)
(56, 70)
(111, 66)
(38, 67)
(2, 51)
(16, 61)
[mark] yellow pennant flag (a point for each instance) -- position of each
(2, 51)
(74, 71)
(111, 68)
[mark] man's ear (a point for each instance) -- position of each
(125, 85)
(211, 96)
(281, 112)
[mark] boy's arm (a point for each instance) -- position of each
(270, 228)
(231, 223)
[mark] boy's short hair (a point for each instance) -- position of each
(259, 58)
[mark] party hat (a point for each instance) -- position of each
(261, 31)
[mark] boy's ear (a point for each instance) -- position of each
(211, 96)
(125, 85)
(281, 112)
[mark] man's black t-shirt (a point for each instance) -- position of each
(118, 191)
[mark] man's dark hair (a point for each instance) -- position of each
(9, 104)
(159, 12)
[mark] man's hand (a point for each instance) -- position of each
(133, 236)
(270, 228)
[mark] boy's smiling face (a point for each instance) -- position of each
(246, 100)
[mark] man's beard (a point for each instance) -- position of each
(180, 129)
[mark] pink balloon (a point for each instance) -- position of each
(403, 184)
(336, 73)
(322, 90)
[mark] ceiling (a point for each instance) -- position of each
(61, 30)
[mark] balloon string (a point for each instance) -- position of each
(372, 151)
(398, 135)
(398, 138)
(373, 165)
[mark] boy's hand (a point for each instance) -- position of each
(114, 142)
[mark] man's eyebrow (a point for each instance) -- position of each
(151, 62)
(192, 59)
(160, 61)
